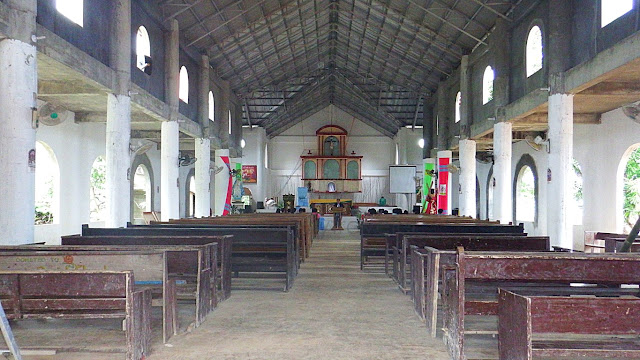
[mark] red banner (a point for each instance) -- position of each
(443, 181)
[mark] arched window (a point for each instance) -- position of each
(72, 9)
(612, 9)
(47, 185)
(191, 198)
(141, 193)
(397, 155)
(491, 186)
(631, 188)
(421, 143)
(266, 156)
(458, 104)
(212, 106)
(577, 205)
(97, 191)
(143, 50)
(534, 51)
(487, 85)
(229, 122)
(525, 195)
(183, 92)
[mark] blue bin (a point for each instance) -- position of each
(321, 223)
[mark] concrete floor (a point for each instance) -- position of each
(333, 311)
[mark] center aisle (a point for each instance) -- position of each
(333, 311)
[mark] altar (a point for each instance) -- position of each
(323, 205)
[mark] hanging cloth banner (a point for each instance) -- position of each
(428, 199)
(443, 181)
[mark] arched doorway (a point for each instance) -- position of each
(190, 194)
(629, 179)
(141, 195)
(47, 192)
(97, 190)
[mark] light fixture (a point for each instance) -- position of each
(243, 143)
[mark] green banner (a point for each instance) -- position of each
(427, 183)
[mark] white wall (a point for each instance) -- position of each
(377, 150)
(76, 146)
(253, 154)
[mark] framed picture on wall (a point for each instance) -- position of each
(250, 174)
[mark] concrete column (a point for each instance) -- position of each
(502, 153)
(427, 129)
(170, 138)
(500, 48)
(118, 160)
(468, 178)
(466, 111)
(222, 189)
(203, 178)
(169, 183)
(443, 134)
(559, 227)
(18, 86)
(203, 145)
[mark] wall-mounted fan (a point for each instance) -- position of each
(52, 115)
(453, 168)
(186, 160)
(633, 112)
(485, 157)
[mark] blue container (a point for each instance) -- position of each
(321, 223)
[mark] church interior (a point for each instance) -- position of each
(274, 179)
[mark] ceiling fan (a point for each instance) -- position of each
(186, 160)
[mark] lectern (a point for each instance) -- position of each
(337, 216)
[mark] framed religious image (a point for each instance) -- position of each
(250, 174)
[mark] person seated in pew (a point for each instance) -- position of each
(372, 211)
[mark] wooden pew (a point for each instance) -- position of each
(555, 271)
(254, 249)
(438, 252)
(449, 241)
(149, 269)
(81, 295)
(302, 225)
(212, 246)
(521, 317)
(373, 241)
(595, 242)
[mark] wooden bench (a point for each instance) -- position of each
(149, 269)
(552, 272)
(427, 263)
(520, 318)
(595, 242)
(301, 223)
(81, 295)
(450, 241)
(254, 249)
(373, 235)
(212, 246)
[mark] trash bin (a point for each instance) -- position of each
(321, 223)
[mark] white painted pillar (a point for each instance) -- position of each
(468, 178)
(222, 188)
(18, 86)
(559, 227)
(118, 160)
(169, 177)
(170, 137)
(502, 153)
(202, 177)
